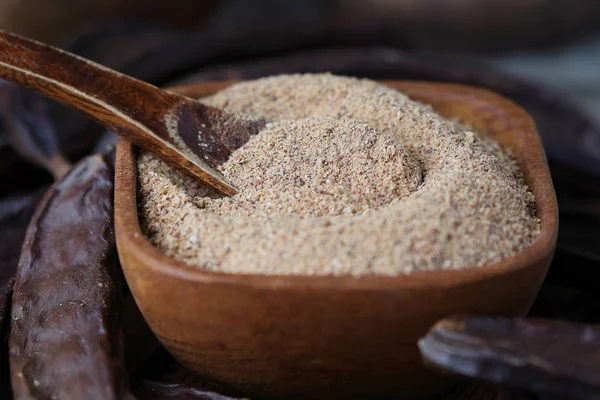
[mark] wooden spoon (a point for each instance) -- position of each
(186, 134)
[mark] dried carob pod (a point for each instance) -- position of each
(152, 390)
(15, 213)
(65, 341)
(549, 357)
(29, 130)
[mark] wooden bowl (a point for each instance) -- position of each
(318, 337)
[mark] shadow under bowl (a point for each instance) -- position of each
(315, 337)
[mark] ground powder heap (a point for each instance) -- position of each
(350, 177)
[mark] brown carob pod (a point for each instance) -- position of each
(29, 130)
(65, 341)
(549, 357)
(15, 213)
(153, 390)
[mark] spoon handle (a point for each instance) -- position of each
(136, 110)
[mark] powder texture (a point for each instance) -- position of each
(316, 167)
(351, 177)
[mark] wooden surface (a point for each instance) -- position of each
(317, 337)
(161, 122)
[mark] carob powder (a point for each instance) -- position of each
(351, 177)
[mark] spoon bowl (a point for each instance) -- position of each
(316, 337)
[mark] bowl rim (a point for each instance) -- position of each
(537, 175)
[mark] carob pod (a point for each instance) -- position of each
(65, 341)
(29, 130)
(15, 213)
(30, 141)
(152, 390)
(550, 357)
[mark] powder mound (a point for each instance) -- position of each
(315, 167)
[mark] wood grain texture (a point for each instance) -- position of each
(190, 136)
(333, 337)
